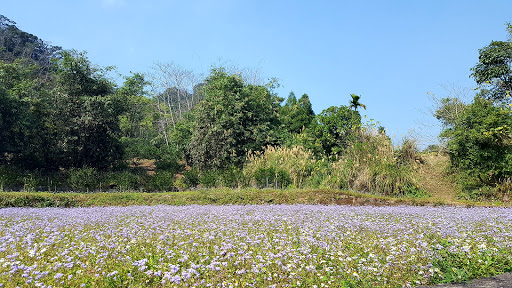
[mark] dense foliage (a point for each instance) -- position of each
(234, 118)
(18, 44)
(70, 121)
(480, 141)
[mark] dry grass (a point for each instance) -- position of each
(297, 161)
(432, 176)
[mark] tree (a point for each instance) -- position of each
(336, 127)
(449, 110)
(173, 89)
(137, 120)
(296, 115)
(234, 118)
(7, 121)
(494, 68)
(24, 105)
(479, 140)
(84, 123)
(354, 103)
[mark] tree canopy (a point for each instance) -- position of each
(233, 119)
(494, 68)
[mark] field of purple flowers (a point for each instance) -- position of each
(251, 246)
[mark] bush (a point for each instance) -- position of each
(122, 181)
(169, 163)
(31, 181)
(233, 177)
(84, 179)
(209, 178)
(473, 189)
(160, 181)
(479, 141)
(10, 176)
(395, 180)
(272, 178)
(139, 148)
(319, 175)
(408, 152)
(191, 177)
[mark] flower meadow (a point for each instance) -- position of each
(251, 246)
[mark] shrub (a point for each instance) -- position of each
(319, 175)
(122, 181)
(233, 177)
(473, 189)
(394, 180)
(191, 177)
(179, 184)
(31, 181)
(10, 176)
(272, 178)
(169, 163)
(84, 179)
(479, 141)
(408, 152)
(160, 181)
(139, 148)
(209, 178)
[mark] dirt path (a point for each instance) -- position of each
(432, 177)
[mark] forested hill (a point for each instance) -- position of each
(18, 44)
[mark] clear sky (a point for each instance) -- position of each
(392, 53)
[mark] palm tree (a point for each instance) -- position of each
(354, 103)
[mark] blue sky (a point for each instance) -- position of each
(392, 53)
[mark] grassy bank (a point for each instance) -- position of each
(215, 197)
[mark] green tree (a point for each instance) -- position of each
(296, 115)
(479, 140)
(84, 122)
(22, 113)
(234, 118)
(494, 68)
(355, 104)
(335, 128)
(449, 110)
(137, 119)
(17, 44)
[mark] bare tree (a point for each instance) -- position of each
(173, 88)
(442, 112)
(251, 75)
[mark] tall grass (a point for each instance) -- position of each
(370, 165)
(296, 162)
